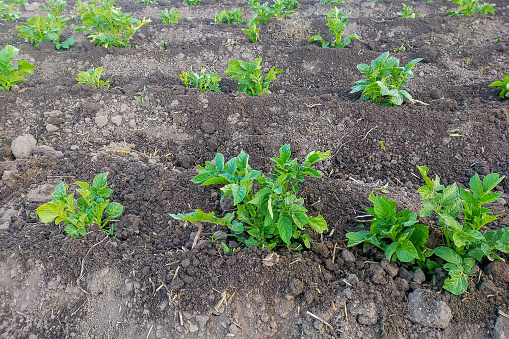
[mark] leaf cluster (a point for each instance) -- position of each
(334, 2)
(193, 2)
(146, 2)
(398, 234)
(88, 209)
(106, 24)
(278, 9)
(469, 7)
(233, 16)
(92, 77)
(55, 7)
(6, 11)
(383, 79)
(462, 233)
(337, 24)
(10, 74)
(252, 30)
(209, 82)
(47, 28)
(271, 216)
(170, 17)
(250, 77)
(407, 13)
(503, 86)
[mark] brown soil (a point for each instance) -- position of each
(147, 282)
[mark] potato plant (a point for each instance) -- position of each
(92, 77)
(250, 78)
(469, 7)
(252, 30)
(80, 214)
(55, 7)
(503, 86)
(170, 17)
(384, 77)
(461, 215)
(233, 16)
(270, 216)
(407, 13)
(337, 24)
(47, 28)
(106, 24)
(10, 74)
(6, 12)
(209, 82)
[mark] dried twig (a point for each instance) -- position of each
(200, 228)
(83, 265)
(320, 319)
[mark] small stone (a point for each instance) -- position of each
(391, 268)
(8, 174)
(426, 309)
(208, 128)
(74, 147)
(101, 121)
(499, 271)
(347, 256)
(419, 276)
(369, 315)
(22, 146)
(501, 329)
(32, 7)
(296, 287)
(193, 328)
(117, 120)
(41, 194)
(185, 263)
(132, 123)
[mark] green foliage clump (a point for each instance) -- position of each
(6, 12)
(252, 30)
(106, 24)
(334, 2)
(233, 16)
(271, 216)
(383, 79)
(209, 82)
(193, 2)
(88, 209)
(146, 2)
(47, 28)
(469, 7)
(503, 86)
(250, 78)
(337, 23)
(398, 234)
(460, 214)
(407, 13)
(9, 74)
(170, 17)
(92, 77)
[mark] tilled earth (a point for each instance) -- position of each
(147, 282)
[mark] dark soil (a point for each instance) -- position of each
(147, 282)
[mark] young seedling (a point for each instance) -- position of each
(9, 74)
(503, 86)
(337, 23)
(193, 2)
(6, 12)
(48, 28)
(334, 2)
(383, 79)
(140, 97)
(170, 17)
(164, 45)
(402, 48)
(469, 7)
(271, 216)
(252, 31)
(106, 24)
(465, 243)
(80, 214)
(56, 7)
(233, 16)
(250, 78)
(209, 82)
(407, 13)
(92, 77)
(398, 234)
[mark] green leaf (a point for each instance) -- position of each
(300, 219)
(114, 209)
(448, 255)
(390, 250)
(306, 239)
(406, 251)
(457, 283)
(100, 180)
(355, 238)
(284, 153)
(238, 193)
(285, 227)
(49, 211)
(476, 186)
(490, 181)
(219, 162)
(318, 224)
